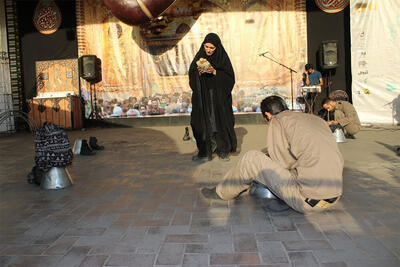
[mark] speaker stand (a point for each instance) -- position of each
(93, 102)
(328, 83)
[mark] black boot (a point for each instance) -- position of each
(35, 176)
(224, 156)
(93, 144)
(210, 193)
(186, 137)
(85, 149)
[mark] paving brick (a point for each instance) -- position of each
(234, 258)
(24, 250)
(272, 252)
(332, 255)
(195, 260)
(373, 247)
(245, 243)
(278, 236)
(85, 231)
(182, 218)
(61, 246)
(373, 263)
(142, 260)
(34, 261)
(155, 222)
(113, 248)
(334, 264)
(268, 265)
(301, 245)
(149, 244)
(305, 259)
(339, 239)
(310, 231)
(209, 248)
(282, 223)
(16, 239)
(93, 261)
(170, 254)
(74, 257)
(4, 260)
(186, 238)
(392, 242)
(165, 230)
(96, 240)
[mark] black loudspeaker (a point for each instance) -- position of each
(88, 69)
(328, 54)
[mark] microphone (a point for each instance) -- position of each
(263, 53)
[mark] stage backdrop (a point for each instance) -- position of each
(375, 45)
(151, 62)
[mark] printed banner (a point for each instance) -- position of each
(5, 79)
(145, 68)
(332, 6)
(5, 82)
(375, 50)
(47, 17)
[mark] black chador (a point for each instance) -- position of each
(212, 117)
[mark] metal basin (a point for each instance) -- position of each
(339, 135)
(259, 191)
(56, 178)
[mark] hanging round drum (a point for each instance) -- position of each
(136, 12)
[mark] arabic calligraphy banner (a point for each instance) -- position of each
(375, 55)
(47, 17)
(147, 65)
(332, 6)
(5, 79)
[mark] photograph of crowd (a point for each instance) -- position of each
(164, 105)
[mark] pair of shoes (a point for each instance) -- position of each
(350, 136)
(224, 156)
(93, 144)
(210, 193)
(35, 176)
(186, 137)
(276, 205)
(85, 149)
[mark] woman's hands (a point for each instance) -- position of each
(210, 70)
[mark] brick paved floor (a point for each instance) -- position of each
(137, 203)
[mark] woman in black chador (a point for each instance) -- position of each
(211, 78)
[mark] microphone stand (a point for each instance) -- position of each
(291, 74)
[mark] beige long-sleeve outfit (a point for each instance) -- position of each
(304, 162)
(347, 116)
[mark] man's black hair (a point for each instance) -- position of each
(326, 101)
(273, 104)
(309, 66)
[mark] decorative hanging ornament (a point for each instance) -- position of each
(332, 6)
(47, 17)
(137, 12)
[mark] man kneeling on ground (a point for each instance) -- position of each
(344, 114)
(303, 167)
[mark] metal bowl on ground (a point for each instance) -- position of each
(56, 178)
(260, 191)
(339, 135)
